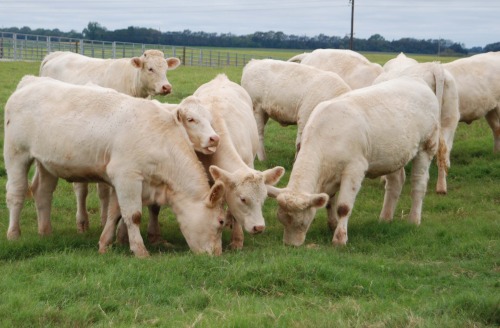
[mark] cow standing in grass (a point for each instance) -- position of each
(367, 132)
(142, 77)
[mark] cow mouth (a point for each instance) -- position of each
(210, 150)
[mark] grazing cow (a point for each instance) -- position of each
(92, 134)
(287, 92)
(368, 132)
(352, 67)
(141, 77)
(447, 96)
(478, 86)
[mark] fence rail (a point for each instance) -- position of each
(17, 47)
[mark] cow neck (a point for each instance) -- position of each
(182, 170)
(226, 157)
(135, 85)
(307, 175)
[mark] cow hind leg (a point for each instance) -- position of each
(81, 190)
(17, 168)
(393, 186)
(419, 180)
(104, 191)
(493, 119)
(261, 119)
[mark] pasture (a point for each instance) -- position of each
(444, 273)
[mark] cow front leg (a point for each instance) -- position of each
(43, 199)
(113, 216)
(237, 236)
(261, 119)
(349, 188)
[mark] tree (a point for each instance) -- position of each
(94, 31)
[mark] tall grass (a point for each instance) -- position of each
(444, 273)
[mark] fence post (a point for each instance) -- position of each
(82, 51)
(48, 45)
(200, 60)
(14, 39)
(1, 46)
(113, 50)
(184, 60)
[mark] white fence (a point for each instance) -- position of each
(16, 46)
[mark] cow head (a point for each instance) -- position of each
(197, 121)
(246, 192)
(202, 222)
(153, 68)
(296, 212)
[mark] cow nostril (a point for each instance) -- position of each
(258, 229)
(166, 89)
(214, 138)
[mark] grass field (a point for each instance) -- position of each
(445, 273)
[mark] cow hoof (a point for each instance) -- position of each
(13, 235)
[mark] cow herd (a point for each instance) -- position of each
(85, 120)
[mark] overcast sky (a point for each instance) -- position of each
(470, 22)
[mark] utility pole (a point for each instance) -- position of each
(352, 23)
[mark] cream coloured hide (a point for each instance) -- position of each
(354, 68)
(478, 85)
(287, 92)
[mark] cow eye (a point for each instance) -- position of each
(243, 200)
(151, 70)
(190, 119)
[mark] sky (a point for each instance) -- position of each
(471, 23)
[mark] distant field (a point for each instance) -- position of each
(444, 273)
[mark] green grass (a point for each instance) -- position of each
(444, 273)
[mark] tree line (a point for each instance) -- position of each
(270, 39)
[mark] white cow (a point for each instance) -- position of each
(351, 66)
(86, 133)
(287, 92)
(446, 91)
(478, 86)
(369, 132)
(138, 76)
(142, 77)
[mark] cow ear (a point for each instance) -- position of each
(319, 200)
(177, 114)
(136, 62)
(273, 191)
(173, 62)
(272, 176)
(216, 194)
(219, 174)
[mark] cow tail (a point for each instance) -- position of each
(439, 77)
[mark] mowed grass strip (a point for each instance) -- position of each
(444, 273)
